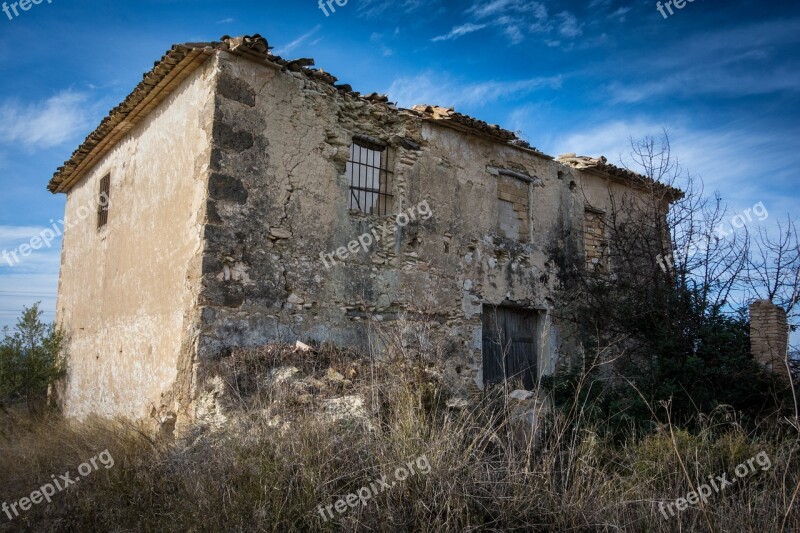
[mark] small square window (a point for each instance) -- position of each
(370, 177)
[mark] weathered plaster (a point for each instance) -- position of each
(128, 292)
(215, 235)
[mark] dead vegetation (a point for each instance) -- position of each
(259, 473)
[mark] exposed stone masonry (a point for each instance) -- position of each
(769, 336)
(264, 192)
(595, 240)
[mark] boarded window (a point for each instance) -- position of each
(595, 240)
(512, 205)
(509, 346)
(370, 177)
(104, 201)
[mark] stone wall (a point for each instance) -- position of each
(769, 336)
(229, 194)
(278, 200)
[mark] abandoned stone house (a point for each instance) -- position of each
(243, 188)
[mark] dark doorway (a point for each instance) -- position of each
(509, 345)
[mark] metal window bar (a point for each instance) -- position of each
(103, 201)
(370, 178)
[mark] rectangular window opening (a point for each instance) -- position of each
(370, 178)
(103, 201)
(595, 240)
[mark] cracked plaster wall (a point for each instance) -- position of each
(128, 292)
(278, 197)
(215, 235)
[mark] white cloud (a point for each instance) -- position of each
(435, 89)
(12, 237)
(226, 21)
(514, 33)
(45, 124)
(378, 40)
(705, 79)
(517, 19)
(374, 8)
(459, 31)
(503, 7)
(620, 13)
(297, 42)
(568, 25)
(16, 234)
(729, 63)
(724, 157)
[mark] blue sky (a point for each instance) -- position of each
(722, 77)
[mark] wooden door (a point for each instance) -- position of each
(509, 346)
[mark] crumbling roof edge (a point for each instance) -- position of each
(516, 143)
(183, 59)
(157, 85)
(467, 124)
(602, 168)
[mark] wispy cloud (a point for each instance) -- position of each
(374, 8)
(517, 20)
(729, 62)
(436, 89)
(568, 25)
(47, 255)
(620, 13)
(379, 40)
(721, 156)
(458, 31)
(11, 235)
(497, 8)
(226, 21)
(297, 42)
(710, 81)
(45, 124)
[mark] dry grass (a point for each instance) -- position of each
(255, 476)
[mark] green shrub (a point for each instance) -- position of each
(31, 359)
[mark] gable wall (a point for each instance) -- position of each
(128, 292)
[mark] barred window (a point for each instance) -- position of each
(370, 177)
(103, 201)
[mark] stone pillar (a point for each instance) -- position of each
(769, 336)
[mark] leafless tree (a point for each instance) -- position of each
(676, 289)
(774, 268)
(702, 255)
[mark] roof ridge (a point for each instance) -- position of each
(173, 69)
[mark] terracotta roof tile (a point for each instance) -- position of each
(181, 60)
